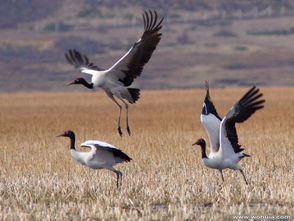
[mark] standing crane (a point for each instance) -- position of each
(225, 151)
(101, 156)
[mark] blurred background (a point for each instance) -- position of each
(231, 43)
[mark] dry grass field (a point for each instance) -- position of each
(166, 179)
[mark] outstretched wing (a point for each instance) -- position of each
(99, 145)
(102, 144)
(127, 68)
(81, 62)
(240, 112)
(211, 121)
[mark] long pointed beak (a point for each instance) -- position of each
(60, 135)
(70, 83)
(194, 144)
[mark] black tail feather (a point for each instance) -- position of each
(135, 93)
(123, 157)
(244, 155)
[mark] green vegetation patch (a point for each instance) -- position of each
(241, 48)
(62, 27)
(225, 33)
(289, 31)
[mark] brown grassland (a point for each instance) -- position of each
(166, 179)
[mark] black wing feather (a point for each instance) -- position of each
(78, 60)
(240, 112)
(116, 152)
(209, 106)
(142, 50)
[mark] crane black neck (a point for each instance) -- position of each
(87, 85)
(203, 150)
(72, 138)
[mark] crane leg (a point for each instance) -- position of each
(119, 116)
(241, 171)
(127, 117)
(118, 178)
(221, 172)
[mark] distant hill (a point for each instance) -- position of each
(15, 13)
(229, 42)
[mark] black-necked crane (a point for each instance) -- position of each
(116, 80)
(225, 151)
(101, 156)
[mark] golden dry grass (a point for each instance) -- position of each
(166, 180)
